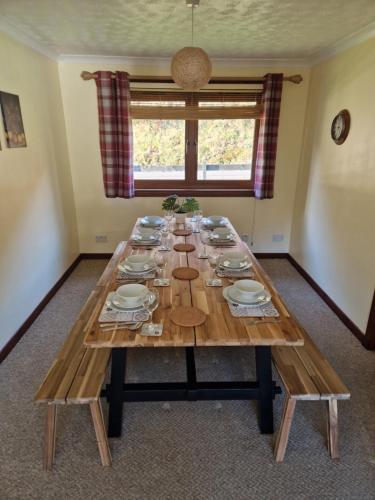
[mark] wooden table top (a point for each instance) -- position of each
(220, 328)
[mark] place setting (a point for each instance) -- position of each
(131, 307)
(141, 267)
(213, 221)
(221, 237)
(249, 298)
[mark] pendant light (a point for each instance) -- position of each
(191, 67)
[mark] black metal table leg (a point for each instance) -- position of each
(191, 374)
(266, 390)
(115, 392)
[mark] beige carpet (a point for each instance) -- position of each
(200, 450)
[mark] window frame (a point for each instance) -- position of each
(191, 185)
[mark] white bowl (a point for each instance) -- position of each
(152, 220)
(234, 260)
(216, 218)
(146, 234)
(248, 289)
(139, 262)
(131, 295)
(223, 231)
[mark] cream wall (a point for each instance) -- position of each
(38, 236)
(334, 217)
(97, 215)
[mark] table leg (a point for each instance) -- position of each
(115, 390)
(191, 374)
(264, 378)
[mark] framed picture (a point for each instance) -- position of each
(12, 118)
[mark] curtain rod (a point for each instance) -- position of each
(86, 75)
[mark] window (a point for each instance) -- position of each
(200, 144)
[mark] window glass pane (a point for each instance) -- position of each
(159, 149)
(225, 149)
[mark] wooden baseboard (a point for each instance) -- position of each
(39, 308)
(335, 308)
(96, 256)
(275, 255)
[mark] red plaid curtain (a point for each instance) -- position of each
(115, 130)
(267, 140)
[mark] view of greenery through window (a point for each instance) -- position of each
(225, 149)
(159, 149)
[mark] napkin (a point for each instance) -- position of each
(265, 310)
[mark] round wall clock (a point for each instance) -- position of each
(340, 126)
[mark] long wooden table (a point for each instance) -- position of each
(220, 329)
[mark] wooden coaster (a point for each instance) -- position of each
(185, 273)
(182, 232)
(184, 247)
(187, 316)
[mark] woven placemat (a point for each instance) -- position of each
(185, 273)
(187, 316)
(182, 232)
(184, 247)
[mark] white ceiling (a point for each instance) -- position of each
(224, 28)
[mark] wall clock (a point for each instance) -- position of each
(340, 126)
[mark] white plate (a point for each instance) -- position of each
(224, 265)
(120, 307)
(259, 302)
(128, 270)
(235, 269)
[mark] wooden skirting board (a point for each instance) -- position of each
(367, 340)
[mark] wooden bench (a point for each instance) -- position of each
(307, 375)
(77, 373)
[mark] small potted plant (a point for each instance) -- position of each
(180, 207)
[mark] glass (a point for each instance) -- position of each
(159, 149)
(161, 262)
(150, 303)
(197, 217)
(169, 217)
(213, 259)
(225, 149)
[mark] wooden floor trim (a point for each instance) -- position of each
(39, 308)
(365, 339)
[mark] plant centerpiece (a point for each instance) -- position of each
(181, 207)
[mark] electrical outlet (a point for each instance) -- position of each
(101, 238)
(245, 238)
(277, 238)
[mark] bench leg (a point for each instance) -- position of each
(101, 435)
(332, 428)
(50, 437)
(283, 433)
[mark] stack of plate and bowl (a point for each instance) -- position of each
(129, 297)
(152, 221)
(222, 235)
(236, 262)
(146, 236)
(246, 293)
(137, 266)
(214, 221)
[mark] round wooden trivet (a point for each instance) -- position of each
(187, 316)
(184, 247)
(185, 273)
(182, 232)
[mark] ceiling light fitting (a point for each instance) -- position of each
(191, 67)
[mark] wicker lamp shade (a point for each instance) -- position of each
(191, 68)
